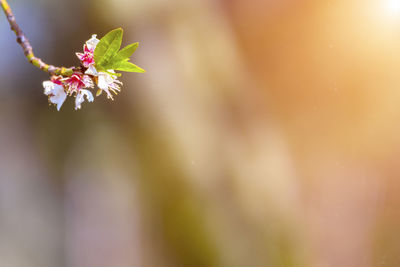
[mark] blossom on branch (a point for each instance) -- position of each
(87, 57)
(92, 43)
(99, 61)
(108, 82)
(79, 98)
(76, 82)
(55, 91)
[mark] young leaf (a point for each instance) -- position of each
(108, 47)
(129, 67)
(121, 56)
(114, 63)
(126, 52)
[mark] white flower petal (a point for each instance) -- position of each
(107, 82)
(87, 81)
(91, 71)
(55, 92)
(80, 98)
(102, 81)
(88, 94)
(92, 43)
(48, 87)
(58, 99)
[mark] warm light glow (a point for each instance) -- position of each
(384, 16)
(392, 8)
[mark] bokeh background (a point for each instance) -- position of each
(265, 133)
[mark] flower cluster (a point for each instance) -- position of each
(93, 73)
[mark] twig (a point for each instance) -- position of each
(26, 46)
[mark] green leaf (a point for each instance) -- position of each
(113, 74)
(113, 64)
(129, 67)
(108, 48)
(126, 52)
(122, 56)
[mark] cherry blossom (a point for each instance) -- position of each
(55, 91)
(80, 98)
(76, 82)
(108, 82)
(87, 57)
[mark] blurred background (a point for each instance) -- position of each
(265, 133)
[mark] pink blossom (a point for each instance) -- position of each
(87, 57)
(76, 82)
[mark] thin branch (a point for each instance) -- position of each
(28, 51)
